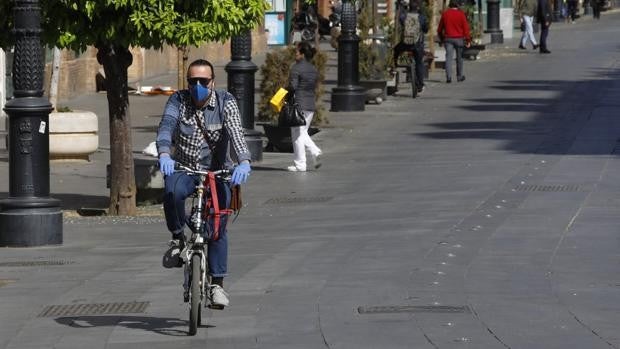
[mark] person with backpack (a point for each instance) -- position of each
(414, 25)
(453, 32)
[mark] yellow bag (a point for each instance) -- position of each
(278, 99)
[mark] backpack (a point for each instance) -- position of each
(412, 33)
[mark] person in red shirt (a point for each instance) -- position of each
(453, 32)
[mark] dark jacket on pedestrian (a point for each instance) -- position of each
(544, 12)
(303, 80)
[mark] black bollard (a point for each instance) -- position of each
(497, 36)
(348, 95)
(29, 217)
(241, 72)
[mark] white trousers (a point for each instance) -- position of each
(301, 141)
(529, 31)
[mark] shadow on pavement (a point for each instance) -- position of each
(558, 123)
(76, 201)
(164, 326)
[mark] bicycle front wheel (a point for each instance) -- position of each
(196, 293)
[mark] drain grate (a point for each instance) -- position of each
(94, 309)
(393, 309)
(549, 188)
(298, 200)
(36, 263)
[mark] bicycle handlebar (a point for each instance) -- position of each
(180, 167)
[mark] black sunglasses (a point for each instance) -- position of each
(202, 81)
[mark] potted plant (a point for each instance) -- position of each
(472, 14)
(275, 74)
(375, 55)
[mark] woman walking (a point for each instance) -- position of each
(303, 80)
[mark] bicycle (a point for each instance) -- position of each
(409, 65)
(194, 255)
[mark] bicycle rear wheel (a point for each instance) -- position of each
(196, 293)
(414, 88)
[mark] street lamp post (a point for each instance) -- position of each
(241, 72)
(493, 28)
(348, 95)
(29, 217)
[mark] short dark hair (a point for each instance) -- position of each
(454, 3)
(305, 49)
(199, 63)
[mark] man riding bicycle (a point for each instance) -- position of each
(196, 129)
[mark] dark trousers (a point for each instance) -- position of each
(418, 56)
(544, 32)
(596, 9)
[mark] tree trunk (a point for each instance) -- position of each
(55, 77)
(115, 61)
(182, 63)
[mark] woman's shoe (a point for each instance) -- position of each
(295, 169)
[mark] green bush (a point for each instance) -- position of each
(275, 73)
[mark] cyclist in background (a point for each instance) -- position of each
(196, 129)
(414, 25)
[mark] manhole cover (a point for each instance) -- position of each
(392, 309)
(36, 263)
(549, 188)
(94, 309)
(298, 200)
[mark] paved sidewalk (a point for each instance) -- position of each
(482, 215)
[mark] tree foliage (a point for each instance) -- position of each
(76, 24)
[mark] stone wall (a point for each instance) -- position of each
(78, 71)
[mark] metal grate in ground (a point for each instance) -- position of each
(94, 309)
(36, 263)
(394, 309)
(549, 187)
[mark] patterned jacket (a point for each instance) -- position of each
(200, 138)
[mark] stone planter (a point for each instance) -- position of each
(376, 90)
(74, 136)
(472, 51)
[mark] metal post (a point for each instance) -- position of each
(241, 71)
(348, 95)
(29, 217)
(497, 36)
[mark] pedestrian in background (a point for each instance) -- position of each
(303, 81)
(527, 13)
(596, 9)
(571, 10)
(544, 18)
(417, 23)
(453, 32)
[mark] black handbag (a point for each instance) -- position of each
(291, 114)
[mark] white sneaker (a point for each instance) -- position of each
(218, 297)
(316, 159)
(295, 169)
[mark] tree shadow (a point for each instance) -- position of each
(577, 120)
(163, 326)
(75, 201)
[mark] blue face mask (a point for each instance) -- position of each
(199, 92)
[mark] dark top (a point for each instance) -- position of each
(303, 79)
